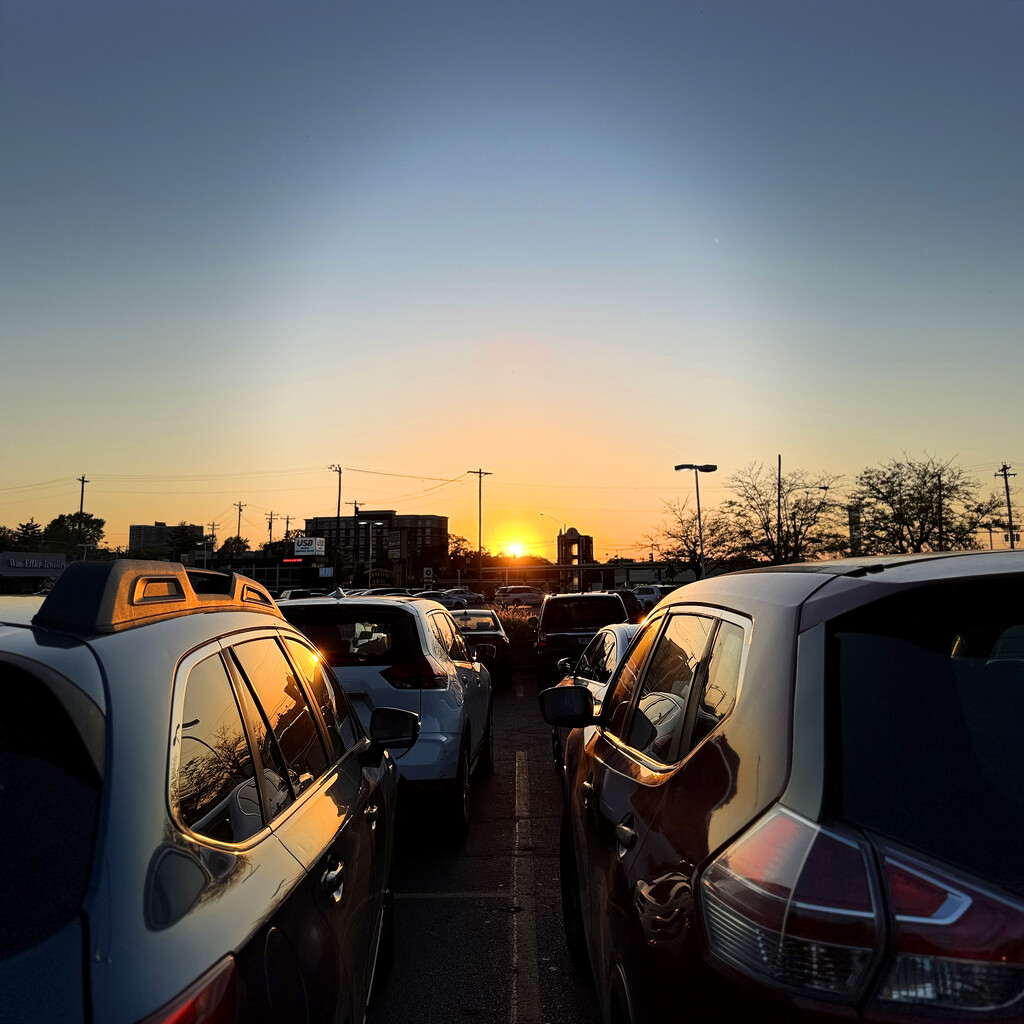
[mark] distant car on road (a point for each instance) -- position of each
(514, 596)
(482, 626)
(472, 598)
(566, 623)
(649, 594)
(802, 798)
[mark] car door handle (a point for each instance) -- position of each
(333, 881)
(625, 837)
(370, 814)
(588, 789)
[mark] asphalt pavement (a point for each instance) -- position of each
(478, 928)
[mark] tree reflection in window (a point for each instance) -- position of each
(216, 786)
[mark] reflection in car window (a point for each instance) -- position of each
(723, 680)
(333, 706)
(615, 708)
(593, 663)
(656, 728)
(284, 704)
(216, 786)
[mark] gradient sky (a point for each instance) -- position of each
(572, 243)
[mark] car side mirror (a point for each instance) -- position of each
(568, 707)
(394, 728)
(533, 621)
(483, 652)
(565, 666)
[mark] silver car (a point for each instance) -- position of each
(407, 652)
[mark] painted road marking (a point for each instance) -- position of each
(525, 1007)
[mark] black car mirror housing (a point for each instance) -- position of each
(568, 707)
(394, 728)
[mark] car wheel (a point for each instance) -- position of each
(459, 605)
(487, 750)
(458, 798)
(572, 909)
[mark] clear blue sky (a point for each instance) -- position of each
(573, 243)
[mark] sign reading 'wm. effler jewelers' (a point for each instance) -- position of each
(31, 563)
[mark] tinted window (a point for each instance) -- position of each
(216, 787)
(656, 728)
(284, 704)
(49, 800)
(338, 718)
(352, 634)
(593, 663)
(723, 680)
(583, 613)
(613, 713)
(477, 622)
(927, 703)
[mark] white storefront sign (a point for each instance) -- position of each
(310, 546)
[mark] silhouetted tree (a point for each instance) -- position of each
(905, 503)
(233, 547)
(69, 532)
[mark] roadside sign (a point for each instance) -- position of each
(310, 546)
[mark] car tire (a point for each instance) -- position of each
(459, 605)
(572, 910)
(486, 762)
(458, 798)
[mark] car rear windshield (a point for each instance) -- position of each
(354, 634)
(583, 613)
(927, 713)
(476, 622)
(51, 754)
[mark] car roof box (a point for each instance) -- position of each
(107, 597)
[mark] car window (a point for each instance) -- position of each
(593, 663)
(613, 715)
(338, 717)
(723, 680)
(284, 705)
(477, 622)
(591, 612)
(657, 724)
(454, 645)
(353, 634)
(215, 790)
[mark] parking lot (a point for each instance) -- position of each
(478, 929)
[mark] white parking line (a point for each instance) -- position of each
(525, 1007)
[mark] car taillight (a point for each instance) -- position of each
(213, 999)
(792, 904)
(957, 946)
(422, 673)
(542, 640)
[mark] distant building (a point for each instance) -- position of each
(154, 538)
(384, 540)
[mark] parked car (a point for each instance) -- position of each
(634, 609)
(182, 786)
(408, 652)
(649, 594)
(802, 798)
(471, 598)
(480, 627)
(566, 623)
(593, 670)
(514, 596)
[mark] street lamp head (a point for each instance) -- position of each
(706, 468)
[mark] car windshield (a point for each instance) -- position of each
(353, 634)
(583, 613)
(928, 696)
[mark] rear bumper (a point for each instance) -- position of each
(434, 757)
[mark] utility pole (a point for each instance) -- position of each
(270, 526)
(81, 512)
(1004, 472)
(778, 516)
(940, 511)
(336, 468)
(213, 541)
(239, 505)
(480, 474)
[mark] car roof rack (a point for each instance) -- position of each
(107, 597)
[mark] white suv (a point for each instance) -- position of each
(513, 597)
(407, 652)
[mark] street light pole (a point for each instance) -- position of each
(335, 468)
(697, 470)
(480, 474)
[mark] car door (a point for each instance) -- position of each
(632, 753)
(474, 677)
(328, 825)
(347, 742)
